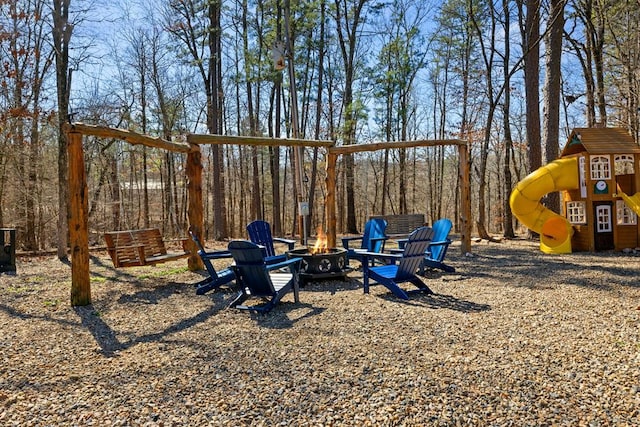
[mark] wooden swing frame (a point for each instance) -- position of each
(78, 191)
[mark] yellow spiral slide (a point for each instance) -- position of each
(555, 231)
(632, 201)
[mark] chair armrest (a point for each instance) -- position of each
(380, 239)
(214, 254)
(346, 240)
(440, 243)
(288, 263)
(274, 259)
(401, 243)
(291, 243)
(379, 255)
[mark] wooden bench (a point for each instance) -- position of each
(401, 225)
(128, 248)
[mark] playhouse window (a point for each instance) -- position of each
(624, 214)
(623, 164)
(600, 167)
(576, 212)
(583, 179)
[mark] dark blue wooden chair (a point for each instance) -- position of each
(216, 278)
(260, 233)
(256, 279)
(400, 267)
(372, 240)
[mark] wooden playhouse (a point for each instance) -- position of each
(603, 210)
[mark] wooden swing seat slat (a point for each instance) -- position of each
(129, 248)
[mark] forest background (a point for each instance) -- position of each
(510, 77)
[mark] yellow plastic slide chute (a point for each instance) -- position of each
(555, 231)
(632, 201)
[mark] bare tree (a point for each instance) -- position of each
(197, 27)
(26, 60)
(507, 218)
(62, 31)
(530, 29)
(349, 17)
(551, 122)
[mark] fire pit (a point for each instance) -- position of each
(320, 262)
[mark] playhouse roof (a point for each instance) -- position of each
(600, 141)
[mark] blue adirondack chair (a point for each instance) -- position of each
(401, 267)
(372, 240)
(216, 278)
(260, 233)
(437, 249)
(255, 278)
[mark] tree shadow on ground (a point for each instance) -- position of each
(521, 268)
(114, 273)
(153, 295)
(108, 340)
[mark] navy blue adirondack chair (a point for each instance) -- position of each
(216, 278)
(437, 249)
(260, 233)
(372, 240)
(402, 267)
(256, 279)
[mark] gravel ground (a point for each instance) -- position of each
(514, 337)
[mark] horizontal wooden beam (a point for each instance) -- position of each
(359, 148)
(128, 136)
(202, 139)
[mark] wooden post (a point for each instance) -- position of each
(330, 200)
(464, 171)
(194, 208)
(78, 222)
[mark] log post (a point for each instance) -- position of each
(464, 172)
(330, 200)
(78, 222)
(194, 207)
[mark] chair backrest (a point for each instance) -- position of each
(251, 270)
(413, 253)
(374, 229)
(441, 229)
(260, 233)
(202, 253)
(197, 242)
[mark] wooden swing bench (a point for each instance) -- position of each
(401, 225)
(129, 248)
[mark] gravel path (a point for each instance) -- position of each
(514, 337)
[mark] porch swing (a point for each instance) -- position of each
(139, 247)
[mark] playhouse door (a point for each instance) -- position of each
(604, 226)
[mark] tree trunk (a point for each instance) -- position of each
(531, 36)
(507, 217)
(552, 91)
(220, 229)
(62, 30)
(348, 21)
(318, 114)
